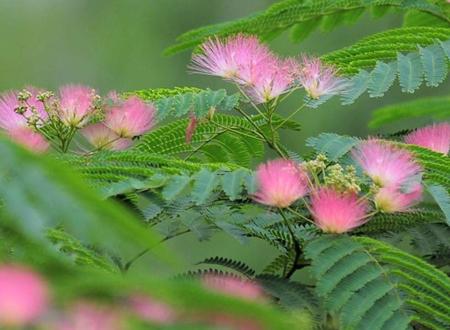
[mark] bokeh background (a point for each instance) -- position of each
(118, 44)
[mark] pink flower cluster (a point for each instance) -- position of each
(394, 171)
(22, 116)
(264, 76)
(334, 205)
(282, 182)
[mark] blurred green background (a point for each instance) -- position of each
(118, 44)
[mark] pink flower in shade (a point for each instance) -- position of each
(89, 316)
(280, 183)
(76, 104)
(390, 199)
(151, 310)
(130, 118)
(102, 137)
(319, 79)
(234, 287)
(191, 127)
(9, 119)
(30, 139)
(24, 296)
(271, 80)
(337, 212)
(435, 137)
(386, 164)
(237, 58)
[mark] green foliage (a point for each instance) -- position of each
(398, 222)
(429, 63)
(442, 197)
(334, 146)
(81, 254)
(384, 46)
(434, 107)
(180, 101)
(375, 286)
(303, 16)
(215, 140)
(66, 202)
(237, 266)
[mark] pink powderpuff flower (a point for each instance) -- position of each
(434, 137)
(271, 80)
(151, 310)
(337, 212)
(236, 58)
(24, 296)
(102, 137)
(280, 183)
(85, 315)
(9, 119)
(319, 79)
(29, 139)
(234, 287)
(76, 104)
(391, 199)
(130, 118)
(386, 164)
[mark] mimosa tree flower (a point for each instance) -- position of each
(102, 137)
(434, 137)
(280, 183)
(86, 315)
(237, 58)
(386, 164)
(130, 118)
(151, 310)
(76, 104)
(319, 79)
(233, 286)
(337, 212)
(14, 115)
(271, 80)
(30, 139)
(24, 296)
(391, 199)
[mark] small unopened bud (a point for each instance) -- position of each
(20, 110)
(23, 95)
(42, 97)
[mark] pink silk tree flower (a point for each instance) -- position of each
(10, 119)
(85, 315)
(434, 137)
(236, 58)
(280, 183)
(390, 199)
(319, 79)
(131, 118)
(337, 212)
(24, 296)
(151, 310)
(386, 164)
(102, 137)
(29, 139)
(234, 287)
(270, 81)
(76, 104)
